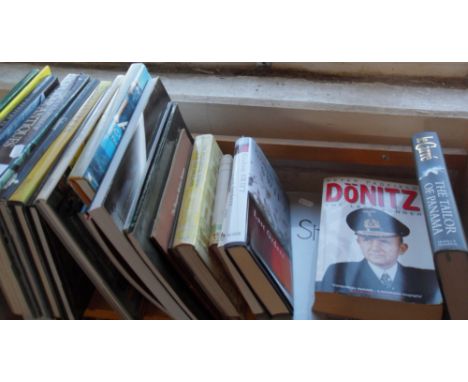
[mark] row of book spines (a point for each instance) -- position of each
(17, 88)
(81, 95)
(24, 193)
(214, 162)
(46, 119)
(195, 221)
(22, 90)
(32, 181)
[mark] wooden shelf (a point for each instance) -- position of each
(98, 309)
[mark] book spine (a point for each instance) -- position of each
(222, 188)
(19, 145)
(443, 220)
(114, 132)
(17, 88)
(269, 250)
(172, 194)
(33, 151)
(71, 122)
(27, 107)
(235, 219)
(192, 219)
(84, 155)
(25, 92)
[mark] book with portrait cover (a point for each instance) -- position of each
(374, 257)
(445, 228)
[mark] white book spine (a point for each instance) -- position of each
(235, 220)
(222, 189)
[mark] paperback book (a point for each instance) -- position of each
(374, 256)
(443, 220)
(305, 228)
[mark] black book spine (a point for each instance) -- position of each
(443, 220)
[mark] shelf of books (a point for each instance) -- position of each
(112, 208)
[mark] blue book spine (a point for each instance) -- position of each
(21, 168)
(443, 220)
(16, 118)
(40, 122)
(99, 164)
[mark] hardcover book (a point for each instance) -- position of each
(14, 216)
(120, 188)
(139, 227)
(126, 210)
(443, 220)
(91, 168)
(255, 308)
(254, 178)
(29, 176)
(192, 233)
(374, 256)
(14, 279)
(72, 255)
(41, 247)
(165, 219)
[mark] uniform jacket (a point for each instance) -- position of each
(357, 278)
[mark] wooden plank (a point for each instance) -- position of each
(348, 153)
(99, 309)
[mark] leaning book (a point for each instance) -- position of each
(445, 228)
(374, 257)
(256, 229)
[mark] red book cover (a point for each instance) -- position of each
(275, 260)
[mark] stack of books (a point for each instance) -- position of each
(104, 188)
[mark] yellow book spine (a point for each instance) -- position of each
(45, 71)
(33, 179)
(193, 226)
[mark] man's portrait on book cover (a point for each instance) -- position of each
(377, 253)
